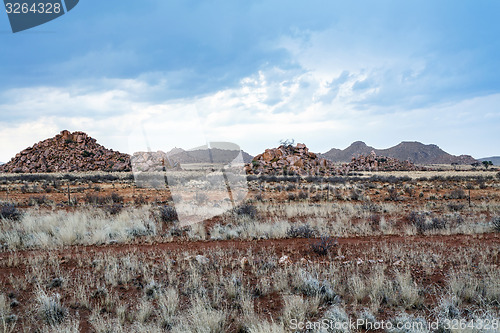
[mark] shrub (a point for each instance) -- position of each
(140, 200)
(200, 198)
(10, 212)
(323, 245)
(405, 323)
(50, 309)
(317, 197)
(115, 198)
(38, 200)
(456, 207)
(418, 220)
(393, 194)
(304, 231)
(311, 286)
(422, 224)
(246, 209)
(303, 195)
(168, 214)
(338, 319)
(356, 194)
(113, 209)
(367, 320)
(496, 223)
(92, 199)
(457, 194)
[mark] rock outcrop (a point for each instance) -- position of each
(372, 162)
(298, 160)
(290, 160)
(67, 152)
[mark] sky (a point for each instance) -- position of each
(158, 74)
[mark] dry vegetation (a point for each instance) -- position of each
(92, 252)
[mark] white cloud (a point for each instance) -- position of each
(268, 106)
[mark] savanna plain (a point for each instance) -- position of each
(92, 252)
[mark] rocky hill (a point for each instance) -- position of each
(372, 162)
(67, 152)
(288, 159)
(414, 152)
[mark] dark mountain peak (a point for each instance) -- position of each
(357, 144)
(413, 151)
(175, 150)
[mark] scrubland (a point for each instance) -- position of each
(94, 253)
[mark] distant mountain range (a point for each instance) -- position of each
(415, 152)
(79, 152)
(204, 155)
(494, 159)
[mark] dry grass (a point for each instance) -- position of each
(70, 287)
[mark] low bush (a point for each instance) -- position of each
(393, 194)
(457, 194)
(303, 195)
(9, 211)
(311, 286)
(246, 209)
(200, 198)
(496, 223)
(168, 214)
(113, 209)
(422, 223)
(50, 309)
(39, 200)
(323, 245)
(303, 231)
(94, 199)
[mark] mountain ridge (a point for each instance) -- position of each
(494, 159)
(413, 151)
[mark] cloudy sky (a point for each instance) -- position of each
(165, 73)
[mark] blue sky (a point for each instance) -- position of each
(253, 72)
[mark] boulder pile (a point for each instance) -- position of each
(298, 160)
(372, 162)
(290, 160)
(67, 152)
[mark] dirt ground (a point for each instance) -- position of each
(359, 254)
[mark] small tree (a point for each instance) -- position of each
(487, 164)
(287, 142)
